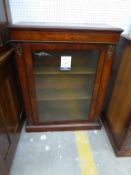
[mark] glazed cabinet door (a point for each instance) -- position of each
(63, 81)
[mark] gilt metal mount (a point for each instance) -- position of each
(110, 51)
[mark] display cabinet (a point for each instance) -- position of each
(118, 115)
(64, 70)
(11, 108)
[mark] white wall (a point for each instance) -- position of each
(114, 12)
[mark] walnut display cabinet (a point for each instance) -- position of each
(63, 70)
(118, 116)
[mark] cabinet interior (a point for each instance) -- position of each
(64, 94)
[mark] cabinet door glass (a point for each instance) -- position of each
(64, 83)
(129, 142)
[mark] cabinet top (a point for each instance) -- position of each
(58, 32)
(65, 26)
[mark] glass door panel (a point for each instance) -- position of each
(129, 142)
(64, 93)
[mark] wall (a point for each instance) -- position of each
(114, 12)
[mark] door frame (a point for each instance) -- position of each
(99, 89)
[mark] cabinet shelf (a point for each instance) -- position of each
(39, 70)
(64, 87)
(62, 94)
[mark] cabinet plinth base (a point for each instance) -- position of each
(64, 127)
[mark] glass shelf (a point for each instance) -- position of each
(61, 94)
(40, 70)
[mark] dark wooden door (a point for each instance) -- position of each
(11, 110)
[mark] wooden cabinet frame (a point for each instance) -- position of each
(26, 39)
